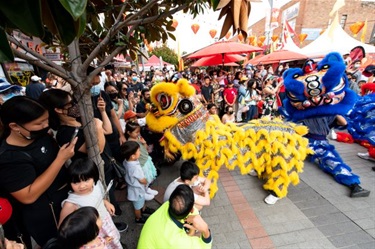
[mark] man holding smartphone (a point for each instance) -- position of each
(173, 225)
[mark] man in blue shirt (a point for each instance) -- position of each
(35, 88)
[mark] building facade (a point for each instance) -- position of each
(312, 17)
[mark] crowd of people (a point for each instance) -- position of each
(55, 191)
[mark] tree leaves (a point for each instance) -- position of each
(59, 22)
(76, 8)
(5, 51)
(23, 14)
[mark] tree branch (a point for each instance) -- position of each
(46, 67)
(35, 54)
(154, 18)
(115, 28)
(108, 59)
(105, 41)
(142, 11)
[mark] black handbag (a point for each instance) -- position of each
(117, 168)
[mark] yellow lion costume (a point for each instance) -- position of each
(275, 149)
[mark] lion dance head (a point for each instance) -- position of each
(318, 89)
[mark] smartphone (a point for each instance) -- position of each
(74, 134)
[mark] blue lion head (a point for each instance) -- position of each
(318, 89)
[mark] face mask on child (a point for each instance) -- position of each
(196, 183)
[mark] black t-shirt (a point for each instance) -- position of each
(137, 87)
(20, 166)
(64, 135)
(141, 107)
(207, 92)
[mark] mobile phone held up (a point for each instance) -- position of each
(75, 133)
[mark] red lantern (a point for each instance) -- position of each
(228, 35)
(195, 28)
(251, 40)
(262, 38)
(213, 33)
(174, 23)
(274, 38)
(356, 27)
(302, 37)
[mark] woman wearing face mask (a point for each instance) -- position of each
(228, 117)
(117, 102)
(32, 172)
(64, 117)
(126, 99)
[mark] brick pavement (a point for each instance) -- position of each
(317, 213)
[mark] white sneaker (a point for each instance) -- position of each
(332, 134)
(151, 191)
(253, 173)
(365, 156)
(149, 197)
(271, 199)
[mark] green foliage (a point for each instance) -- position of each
(59, 22)
(167, 54)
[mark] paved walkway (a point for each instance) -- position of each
(317, 213)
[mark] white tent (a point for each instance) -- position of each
(334, 39)
(291, 46)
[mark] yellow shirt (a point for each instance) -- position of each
(162, 231)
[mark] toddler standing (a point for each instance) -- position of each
(133, 133)
(135, 179)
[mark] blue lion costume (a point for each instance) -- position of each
(316, 94)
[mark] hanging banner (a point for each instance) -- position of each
(275, 18)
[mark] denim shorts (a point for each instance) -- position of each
(138, 204)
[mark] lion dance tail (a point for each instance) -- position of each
(275, 149)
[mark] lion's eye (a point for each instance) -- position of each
(164, 100)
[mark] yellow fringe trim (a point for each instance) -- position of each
(276, 150)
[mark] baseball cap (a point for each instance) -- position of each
(5, 85)
(269, 77)
(129, 114)
(35, 78)
(369, 71)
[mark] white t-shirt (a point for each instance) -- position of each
(171, 187)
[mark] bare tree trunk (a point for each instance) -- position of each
(83, 95)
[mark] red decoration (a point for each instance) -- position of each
(5, 210)
(195, 28)
(228, 35)
(175, 23)
(213, 33)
